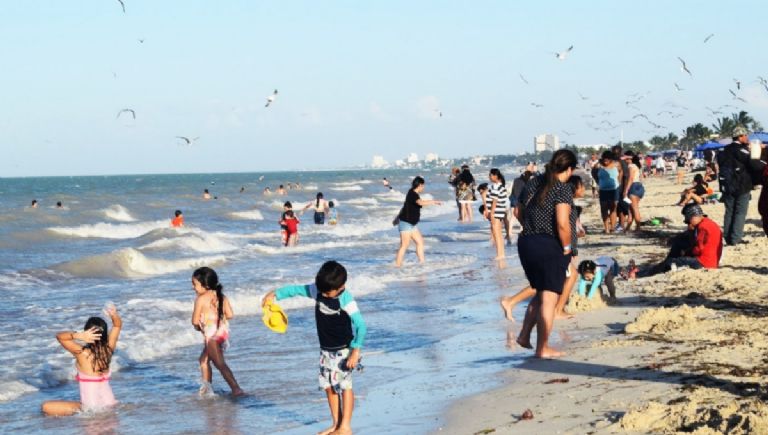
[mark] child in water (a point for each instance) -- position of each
(341, 330)
(178, 220)
(287, 206)
(333, 214)
(603, 269)
(92, 363)
(211, 317)
(291, 223)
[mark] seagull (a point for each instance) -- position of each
(537, 105)
(708, 37)
(439, 113)
(678, 88)
(261, 178)
(683, 66)
(763, 82)
(628, 121)
(583, 98)
(664, 111)
(738, 83)
(271, 98)
(122, 4)
(141, 40)
(567, 133)
(563, 54)
(188, 140)
(131, 111)
(736, 97)
(523, 79)
(640, 115)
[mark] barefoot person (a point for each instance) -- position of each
(545, 246)
(409, 217)
(341, 330)
(92, 363)
(211, 317)
(608, 178)
(497, 212)
(320, 205)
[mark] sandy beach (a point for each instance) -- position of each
(684, 352)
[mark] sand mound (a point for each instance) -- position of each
(663, 320)
(697, 413)
(580, 304)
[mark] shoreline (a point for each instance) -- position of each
(682, 352)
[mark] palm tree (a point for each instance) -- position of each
(742, 118)
(725, 126)
(695, 135)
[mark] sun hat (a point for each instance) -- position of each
(274, 318)
(690, 211)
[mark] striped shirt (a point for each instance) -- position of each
(499, 192)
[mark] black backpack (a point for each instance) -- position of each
(731, 173)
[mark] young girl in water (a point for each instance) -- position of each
(92, 364)
(210, 316)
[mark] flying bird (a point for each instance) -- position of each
(439, 113)
(738, 84)
(583, 98)
(678, 88)
(537, 105)
(708, 37)
(763, 82)
(563, 54)
(567, 133)
(141, 40)
(523, 79)
(122, 5)
(683, 66)
(271, 98)
(131, 111)
(188, 140)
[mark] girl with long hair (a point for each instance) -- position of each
(320, 206)
(545, 246)
(210, 316)
(92, 363)
(634, 191)
(497, 212)
(608, 180)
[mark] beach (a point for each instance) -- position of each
(683, 351)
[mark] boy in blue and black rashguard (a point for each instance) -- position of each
(341, 330)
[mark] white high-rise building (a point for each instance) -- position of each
(379, 162)
(431, 158)
(546, 142)
(412, 158)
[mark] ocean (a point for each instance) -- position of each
(435, 331)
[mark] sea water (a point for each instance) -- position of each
(435, 331)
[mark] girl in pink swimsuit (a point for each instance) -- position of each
(210, 316)
(92, 364)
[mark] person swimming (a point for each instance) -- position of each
(178, 220)
(333, 214)
(206, 194)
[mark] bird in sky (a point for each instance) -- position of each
(187, 140)
(583, 98)
(738, 83)
(271, 98)
(708, 37)
(523, 79)
(141, 40)
(567, 133)
(563, 54)
(131, 111)
(640, 115)
(678, 88)
(763, 82)
(439, 113)
(736, 97)
(684, 67)
(537, 105)
(663, 112)
(122, 5)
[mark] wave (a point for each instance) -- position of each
(362, 201)
(309, 247)
(392, 195)
(347, 188)
(111, 231)
(250, 214)
(198, 241)
(309, 187)
(118, 213)
(13, 389)
(352, 183)
(130, 263)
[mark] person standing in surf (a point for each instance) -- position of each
(321, 208)
(409, 217)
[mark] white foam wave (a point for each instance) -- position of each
(347, 188)
(196, 240)
(111, 231)
(250, 214)
(13, 389)
(118, 213)
(130, 263)
(362, 201)
(310, 187)
(181, 334)
(352, 183)
(278, 249)
(392, 195)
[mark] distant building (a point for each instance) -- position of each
(379, 162)
(431, 158)
(546, 142)
(412, 158)
(399, 163)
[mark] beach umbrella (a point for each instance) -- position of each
(760, 135)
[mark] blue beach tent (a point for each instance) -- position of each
(760, 135)
(711, 145)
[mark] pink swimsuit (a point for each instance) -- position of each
(95, 392)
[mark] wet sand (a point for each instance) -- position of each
(683, 352)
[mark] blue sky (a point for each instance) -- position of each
(354, 78)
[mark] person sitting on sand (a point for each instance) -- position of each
(698, 193)
(178, 220)
(600, 271)
(700, 246)
(92, 363)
